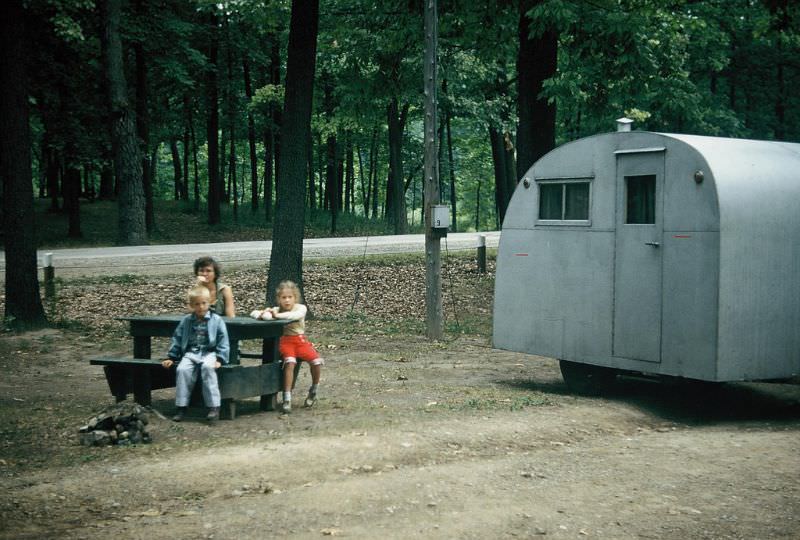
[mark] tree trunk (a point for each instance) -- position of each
(286, 257)
(321, 161)
(124, 142)
(339, 177)
(106, 181)
(397, 121)
(536, 62)
(334, 191)
(184, 193)
(349, 174)
(212, 126)
(370, 168)
(501, 196)
(451, 167)
(154, 170)
(507, 147)
(330, 148)
(195, 164)
(373, 165)
(478, 206)
(72, 201)
(222, 160)
(88, 182)
(251, 137)
(52, 171)
(176, 166)
(312, 192)
(364, 202)
(143, 126)
(23, 305)
(233, 191)
(277, 112)
(269, 145)
(330, 172)
(272, 133)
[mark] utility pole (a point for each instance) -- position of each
(433, 260)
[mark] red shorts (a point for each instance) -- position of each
(293, 348)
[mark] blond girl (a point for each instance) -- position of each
(293, 344)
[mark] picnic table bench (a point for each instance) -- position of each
(140, 374)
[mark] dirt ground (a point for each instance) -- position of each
(410, 439)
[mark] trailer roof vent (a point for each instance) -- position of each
(624, 124)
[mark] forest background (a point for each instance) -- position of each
(198, 91)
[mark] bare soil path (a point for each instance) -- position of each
(410, 439)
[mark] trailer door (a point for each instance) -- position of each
(638, 254)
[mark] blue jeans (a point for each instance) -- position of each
(186, 377)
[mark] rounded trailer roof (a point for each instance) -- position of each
(761, 175)
(757, 185)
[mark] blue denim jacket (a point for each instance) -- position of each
(217, 337)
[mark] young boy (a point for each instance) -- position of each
(200, 341)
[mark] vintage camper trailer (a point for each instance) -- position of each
(655, 253)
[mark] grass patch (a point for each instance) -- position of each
(516, 403)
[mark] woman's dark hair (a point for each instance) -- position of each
(202, 262)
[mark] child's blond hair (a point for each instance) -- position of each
(289, 284)
(196, 292)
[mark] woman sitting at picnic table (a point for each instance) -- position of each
(207, 271)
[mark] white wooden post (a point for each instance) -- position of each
(49, 275)
(482, 253)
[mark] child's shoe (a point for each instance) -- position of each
(286, 407)
(311, 399)
(179, 414)
(213, 414)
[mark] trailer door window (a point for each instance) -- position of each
(564, 201)
(640, 199)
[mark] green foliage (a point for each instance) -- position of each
(65, 17)
(680, 64)
(713, 67)
(267, 95)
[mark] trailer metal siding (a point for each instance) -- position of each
(728, 253)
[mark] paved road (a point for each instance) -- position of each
(166, 258)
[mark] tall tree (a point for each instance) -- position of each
(397, 121)
(272, 133)
(212, 124)
(23, 303)
(536, 62)
(286, 258)
(72, 193)
(251, 135)
(124, 142)
(143, 122)
(176, 166)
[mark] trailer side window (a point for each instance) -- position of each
(640, 199)
(564, 201)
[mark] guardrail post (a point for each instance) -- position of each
(482, 254)
(49, 276)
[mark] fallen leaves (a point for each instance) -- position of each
(385, 292)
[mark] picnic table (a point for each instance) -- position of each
(141, 373)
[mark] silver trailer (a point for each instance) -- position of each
(655, 253)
